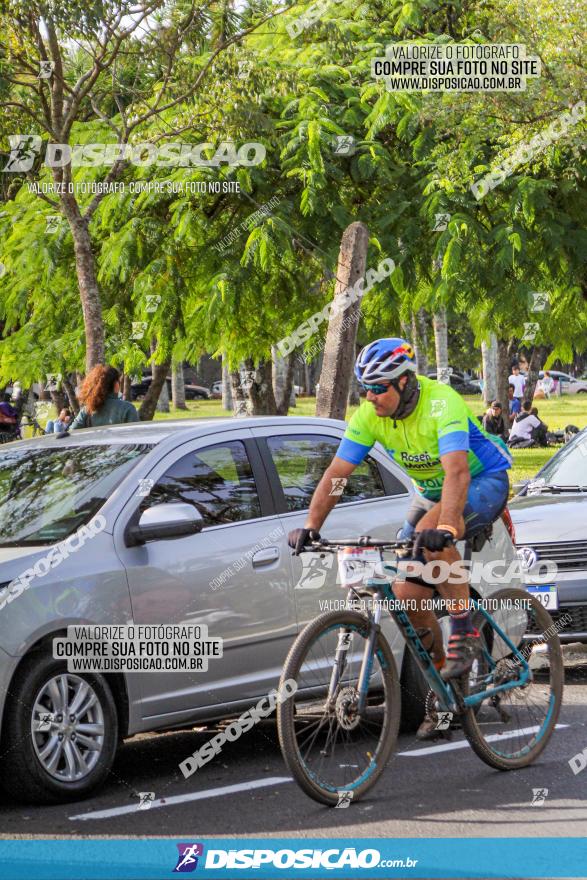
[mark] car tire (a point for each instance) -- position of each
(23, 773)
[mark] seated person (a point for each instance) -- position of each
(493, 420)
(8, 417)
(527, 429)
(59, 425)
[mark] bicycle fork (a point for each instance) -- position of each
(343, 648)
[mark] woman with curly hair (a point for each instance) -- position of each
(101, 404)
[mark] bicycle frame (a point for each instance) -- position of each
(450, 700)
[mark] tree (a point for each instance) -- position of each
(232, 278)
(441, 343)
(282, 376)
(226, 388)
(129, 70)
(163, 402)
(339, 350)
(177, 386)
(419, 338)
(489, 356)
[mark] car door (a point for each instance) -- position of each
(374, 501)
(234, 576)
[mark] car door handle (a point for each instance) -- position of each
(265, 557)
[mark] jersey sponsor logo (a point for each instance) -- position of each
(422, 461)
(410, 459)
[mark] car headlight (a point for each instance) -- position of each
(528, 557)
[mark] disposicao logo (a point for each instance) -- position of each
(187, 861)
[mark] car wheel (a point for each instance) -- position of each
(60, 732)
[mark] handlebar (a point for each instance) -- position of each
(327, 546)
(363, 541)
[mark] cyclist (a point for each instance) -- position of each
(460, 476)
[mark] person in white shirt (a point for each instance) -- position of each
(547, 384)
(518, 381)
(524, 424)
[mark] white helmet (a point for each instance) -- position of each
(385, 359)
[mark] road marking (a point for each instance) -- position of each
(464, 744)
(183, 798)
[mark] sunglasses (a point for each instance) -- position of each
(376, 389)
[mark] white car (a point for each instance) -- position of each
(569, 385)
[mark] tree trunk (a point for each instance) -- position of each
(43, 393)
(420, 340)
(489, 358)
(354, 397)
(149, 404)
(259, 388)
(534, 366)
(241, 403)
(177, 386)
(59, 400)
(282, 377)
(341, 335)
(441, 343)
(503, 373)
(307, 381)
(69, 388)
(126, 387)
(88, 286)
(163, 402)
(226, 385)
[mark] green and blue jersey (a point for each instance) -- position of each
(441, 423)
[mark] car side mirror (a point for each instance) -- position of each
(164, 521)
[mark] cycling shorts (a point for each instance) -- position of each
(486, 499)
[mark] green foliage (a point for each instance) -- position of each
(415, 156)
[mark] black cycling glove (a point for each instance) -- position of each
(298, 538)
(432, 539)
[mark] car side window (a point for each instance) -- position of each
(301, 460)
(218, 480)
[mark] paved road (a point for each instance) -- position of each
(427, 791)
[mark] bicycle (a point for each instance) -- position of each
(338, 728)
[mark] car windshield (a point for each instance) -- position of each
(47, 494)
(569, 466)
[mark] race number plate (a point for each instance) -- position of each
(356, 565)
(547, 595)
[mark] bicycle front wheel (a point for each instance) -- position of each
(334, 749)
(510, 729)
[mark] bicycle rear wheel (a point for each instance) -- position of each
(510, 729)
(328, 745)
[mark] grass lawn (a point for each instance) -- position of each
(557, 413)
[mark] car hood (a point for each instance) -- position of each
(7, 554)
(540, 519)
(14, 560)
